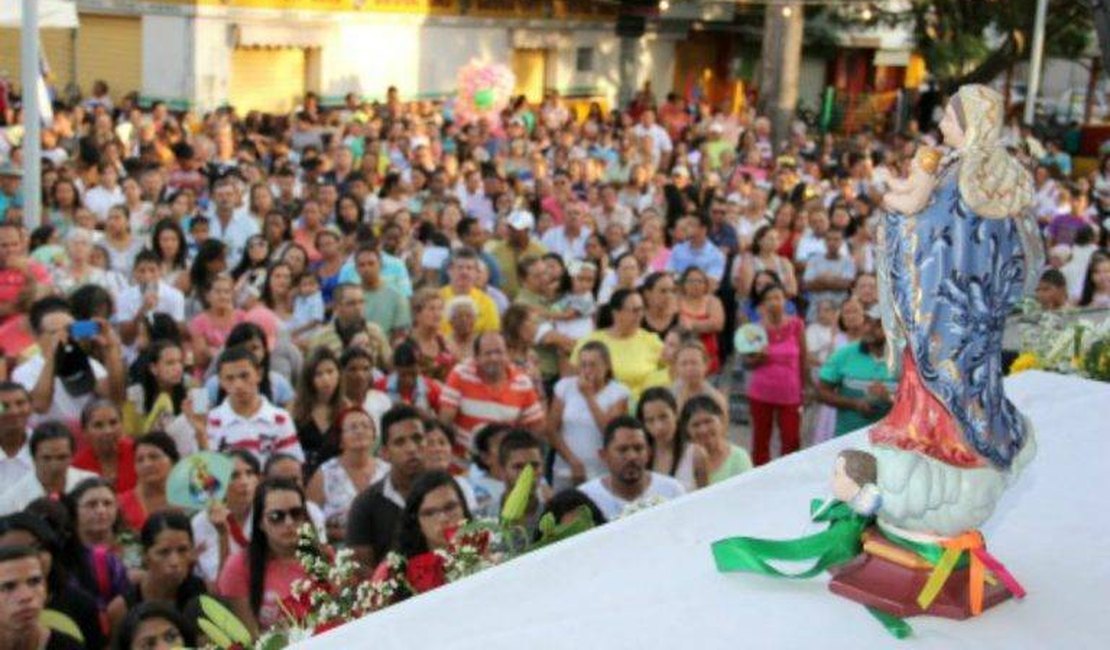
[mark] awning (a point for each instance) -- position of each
(279, 35)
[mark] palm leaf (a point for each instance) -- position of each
(222, 618)
(214, 634)
(59, 622)
(517, 502)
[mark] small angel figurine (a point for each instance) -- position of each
(909, 195)
(854, 481)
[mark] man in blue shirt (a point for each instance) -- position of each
(697, 250)
(10, 179)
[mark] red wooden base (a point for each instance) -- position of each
(893, 588)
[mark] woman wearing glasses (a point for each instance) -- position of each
(256, 579)
(434, 507)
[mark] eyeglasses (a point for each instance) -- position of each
(450, 509)
(296, 515)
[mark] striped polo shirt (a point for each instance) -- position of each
(512, 401)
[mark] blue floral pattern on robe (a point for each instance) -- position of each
(950, 278)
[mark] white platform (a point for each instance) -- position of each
(649, 581)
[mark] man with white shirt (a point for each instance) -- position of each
(246, 419)
(661, 145)
(229, 224)
(105, 194)
(627, 454)
(62, 378)
(569, 239)
(52, 448)
(15, 453)
(147, 296)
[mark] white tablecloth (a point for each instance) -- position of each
(648, 581)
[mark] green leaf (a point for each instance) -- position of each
(59, 622)
(222, 618)
(552, 533)
(517, 502)
(274, 642)
(214, 634)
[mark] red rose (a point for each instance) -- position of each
(327, 625)
(425, 572)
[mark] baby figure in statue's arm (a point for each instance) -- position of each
(908, 196)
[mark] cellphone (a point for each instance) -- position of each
(84, 329)
(199, 397)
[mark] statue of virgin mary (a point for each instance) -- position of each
(955, 260)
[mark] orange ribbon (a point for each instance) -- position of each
(971, 542)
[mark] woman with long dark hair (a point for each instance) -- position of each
(167, 240)
(168, 557)
(317, 405)
(161, 372)
(63, 594)
(672, 453)
(257, 579)
(279, 294)
(660, 305)
(434, 506)
(91, 551)
(703, 421)
(210, 261)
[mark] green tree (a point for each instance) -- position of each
(973, 41)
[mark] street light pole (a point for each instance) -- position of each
(1036, 60)
(32, 120)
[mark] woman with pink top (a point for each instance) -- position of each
(777, 376)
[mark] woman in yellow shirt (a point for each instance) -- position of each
(635, 351)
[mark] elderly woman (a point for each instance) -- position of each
(78, 269)
(462, 314)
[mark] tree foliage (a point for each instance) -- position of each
(973, 41)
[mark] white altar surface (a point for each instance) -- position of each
(648, 581)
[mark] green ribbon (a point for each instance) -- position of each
(898, 628)
(837, 544)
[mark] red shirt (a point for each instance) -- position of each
(125, 464)
(12, 282)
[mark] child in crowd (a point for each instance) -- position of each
(573, 314)
(308, 307)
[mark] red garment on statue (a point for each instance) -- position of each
(919, 422)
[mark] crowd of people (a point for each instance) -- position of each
(383, 316)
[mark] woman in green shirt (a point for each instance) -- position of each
(703, 422)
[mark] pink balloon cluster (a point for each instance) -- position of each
(484, 90)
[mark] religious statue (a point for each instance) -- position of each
(959, 248)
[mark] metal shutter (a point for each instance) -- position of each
(57, 44)
(110, 48)
(271, 80)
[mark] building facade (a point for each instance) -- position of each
(266, 54)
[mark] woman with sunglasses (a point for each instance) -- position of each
(255, 580)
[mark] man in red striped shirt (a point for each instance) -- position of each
(246, 419)
(488, 388)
